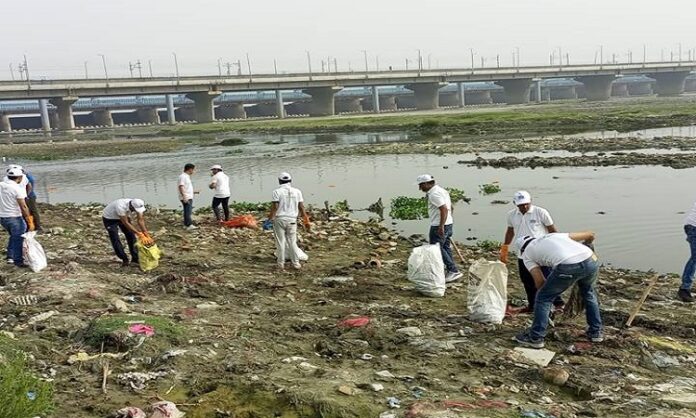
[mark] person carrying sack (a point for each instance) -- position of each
(115, 217)
(13, 214)
(286, 204)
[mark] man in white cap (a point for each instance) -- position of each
(287, 204)
(220, 183)
(526, 220)
(571, 262)
(13, 213)
(116, 216)
(440, 213)
(185, 187)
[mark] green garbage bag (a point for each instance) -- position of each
(148, 256)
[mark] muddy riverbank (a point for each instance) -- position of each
(234, 338)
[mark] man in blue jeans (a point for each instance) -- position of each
(185, 188)
(571, 262)
(684, 293)
(13, 212)
(440, 213)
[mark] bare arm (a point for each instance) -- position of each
(29, 188)
(141, 223)
(538, 277)
(584, 236)
(301, 208)
(552, 229)
(274, 209)
(509, 235)
(181, 190)
(23, 207)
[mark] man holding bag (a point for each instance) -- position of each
(13, 213)
(286, 204)
(115, 217)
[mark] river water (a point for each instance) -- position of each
(640, 224)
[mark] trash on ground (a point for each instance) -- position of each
(541, 357)
(147, 330)
(487, 291)
(355, 322)
(427, 270)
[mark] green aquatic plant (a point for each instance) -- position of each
(489, 188)
(412, 208)
(489, 245)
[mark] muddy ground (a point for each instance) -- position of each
(233, 338)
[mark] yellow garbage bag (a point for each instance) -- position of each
(148, 256)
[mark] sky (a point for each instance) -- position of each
(61, 38)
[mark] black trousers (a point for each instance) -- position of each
(112, 226)
(530, 287)
(225, 202)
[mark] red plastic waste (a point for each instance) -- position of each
(242, 221)
(355, 322)
(148, 330)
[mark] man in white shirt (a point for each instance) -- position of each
(440, 214)
(527, 220)
(684, 293)
(287, 204)
(27, 183)
(13, 212)
(570, 262)
(116, 216)
(220, 183)
(185, 187)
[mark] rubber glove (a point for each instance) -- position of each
(145, 238)
(267, 224)
(30, 223)
(305, 222)
(504, 249)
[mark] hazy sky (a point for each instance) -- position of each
(58, 36)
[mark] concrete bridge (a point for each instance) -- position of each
(517, 85)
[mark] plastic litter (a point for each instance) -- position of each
(165, 409)
(356, 322)
(242, 221)
(147, 330)
(393, 402)
(24, 300)
(41, 317)
(487, 292)
(34, 255)
(130, 412)
(267, 225)
(541, 357)
(148, 256)
(427, 271)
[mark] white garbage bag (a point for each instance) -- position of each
(34, 255)
(487, 292)
(301, 255)
(427, 271)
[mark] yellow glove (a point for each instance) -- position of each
(305, 222)
(504, 249)
(30, 223)
(145, 238)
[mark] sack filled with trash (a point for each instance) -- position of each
(34, 255)
(242, 221)
(487, 292)
(148, 256)
(427, 270)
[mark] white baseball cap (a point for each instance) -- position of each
(14, 172)
(521, 197)
(523, 242)
(138, 205)
(424, 178)
(15, 166)
(216, 167)
(284, 176)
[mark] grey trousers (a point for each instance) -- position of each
(285, 231)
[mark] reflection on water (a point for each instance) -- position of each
(641, 227)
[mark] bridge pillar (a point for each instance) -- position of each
(670, 84)
(280, 105)
(43, 110)
(262, 110)
(479, 97)
(322, 103)
(5, 124)
(148, 115)
(449, 99)
(204, 105)
(231, 111)
(349, 105)
(597, 87)
(427, 95)
(461, 95)
(64, 110)
(375, 99)
(171, 114)
(619, 89)
(185, 114)
(690, 84)
(516, 90)
(640, 89)
(103, 118)
(387, 103)
(537, 86)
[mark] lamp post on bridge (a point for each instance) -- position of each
(106, 72)
(86, 71)
(364, 51)
(309, 64)
(471, 50)
(176, 65)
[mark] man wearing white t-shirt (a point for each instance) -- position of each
(526, 220)
(220, 183)
(570, 262)
(440, 214)
(287, 204)
(185, 187)
(116, 216)
(13, 212)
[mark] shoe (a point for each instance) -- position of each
(297, 266)
(525, 340)
(22, 266)
(453, 276)
(596, 337)
(190, 227)
(10, 261)
(125, 263)
(685, 296)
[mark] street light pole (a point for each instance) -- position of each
(219, 63)
(248, 64)
(472, 57)
(309, 63)
(86, 71)
(365, 55)
(26, 69)
(176, 64)
(149, 65)
(106, 72)
(12, 72)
